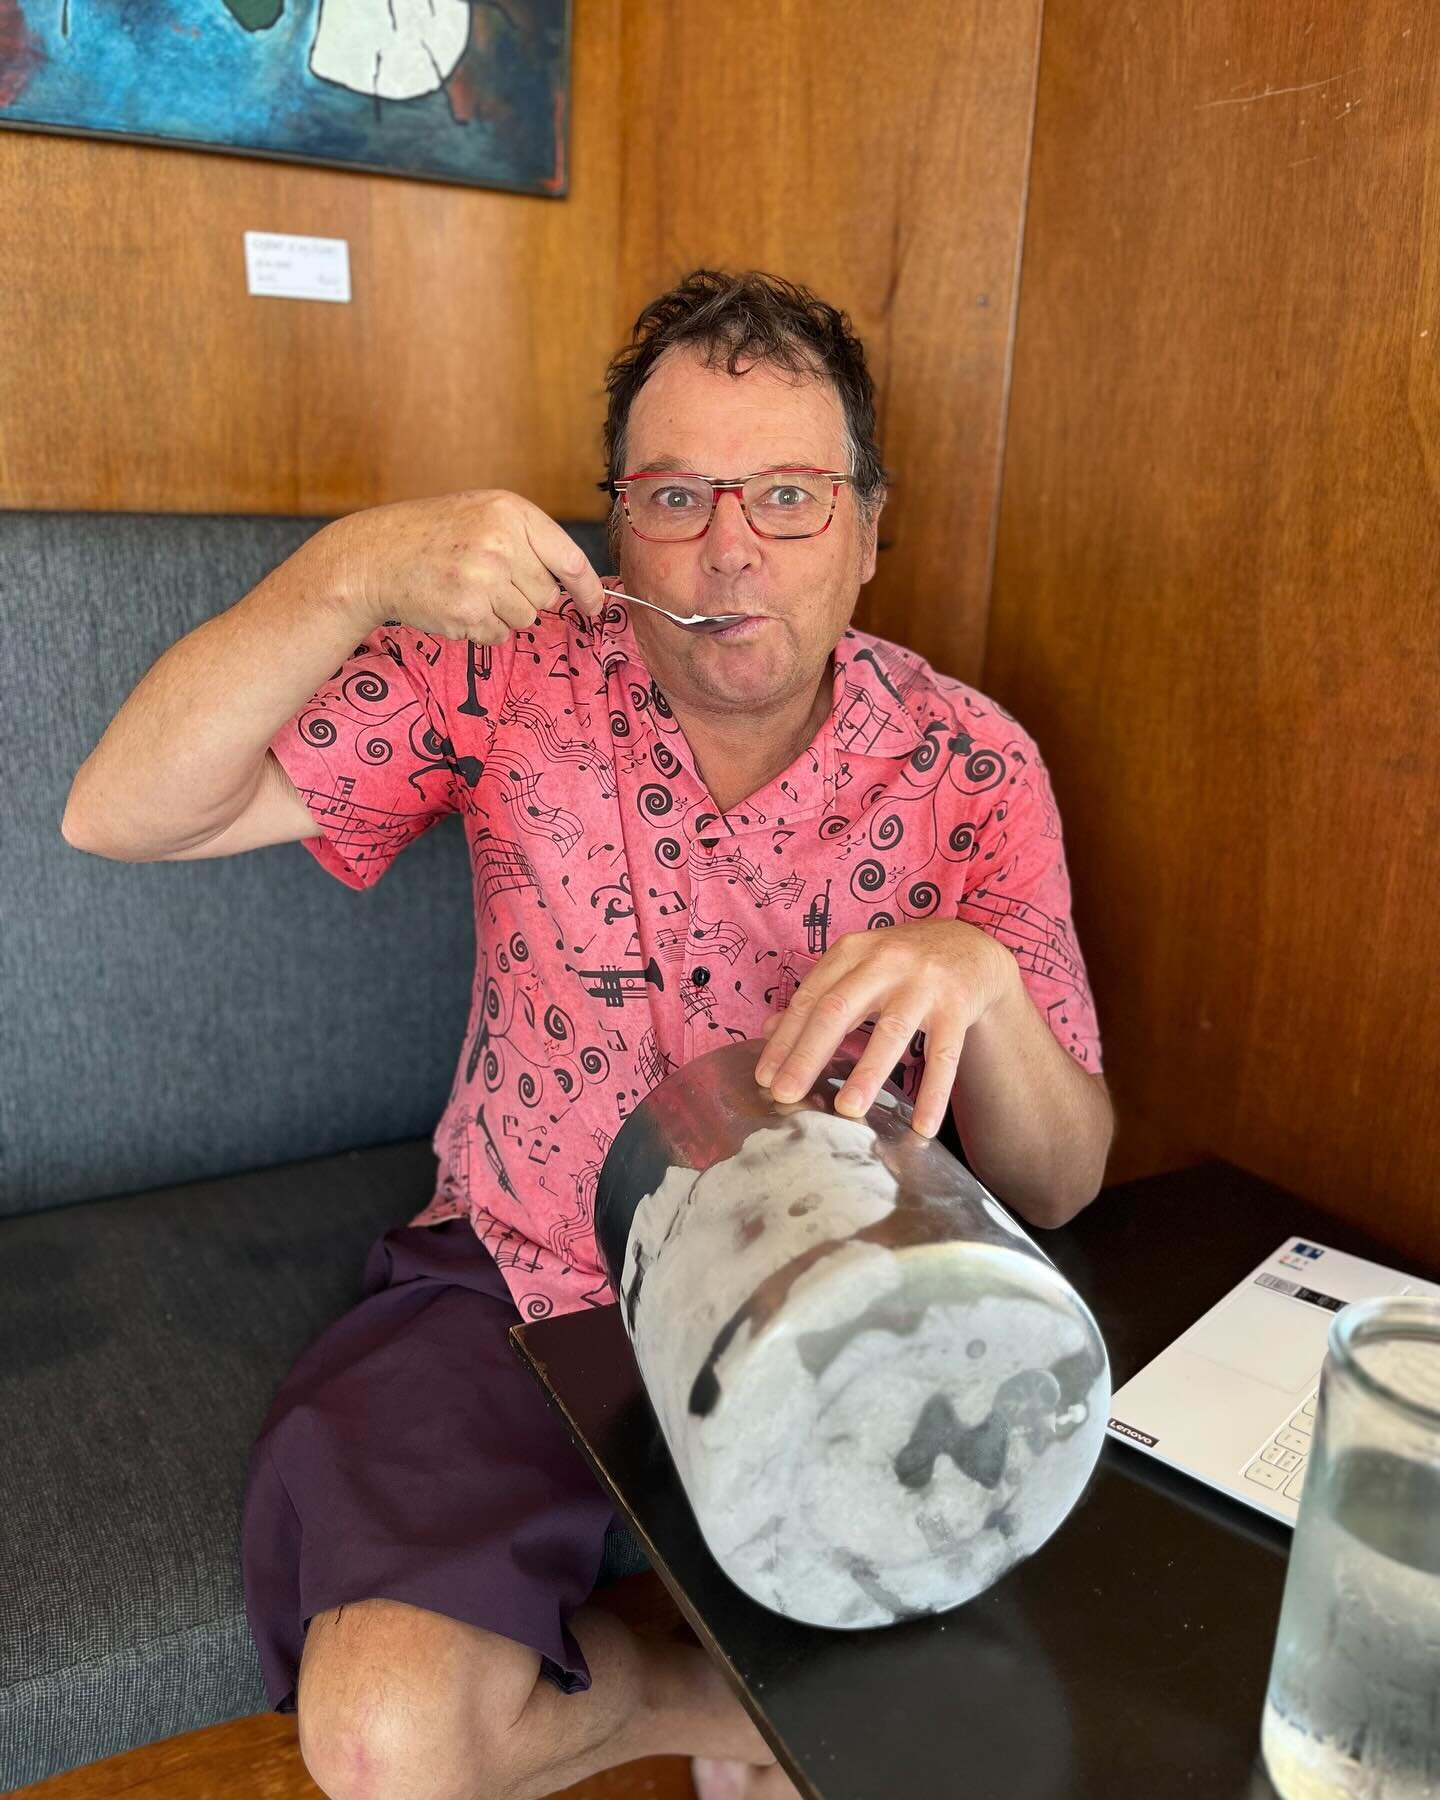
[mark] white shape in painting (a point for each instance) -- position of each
(395, 49)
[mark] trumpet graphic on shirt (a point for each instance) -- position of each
(614, 985)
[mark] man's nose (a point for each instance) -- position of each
(730, 545)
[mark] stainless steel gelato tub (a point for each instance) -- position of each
(879, 1393)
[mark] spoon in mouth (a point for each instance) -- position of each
(690, 621)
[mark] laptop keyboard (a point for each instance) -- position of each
(1281, 1463)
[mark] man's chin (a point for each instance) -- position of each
(757, 686)
(752, 678)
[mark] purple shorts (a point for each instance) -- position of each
(409, 1455)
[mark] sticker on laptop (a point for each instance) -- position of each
(1131, 1431)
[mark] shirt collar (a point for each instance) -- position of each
(878, 692)
(879, 707)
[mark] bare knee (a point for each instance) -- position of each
(398, 1703)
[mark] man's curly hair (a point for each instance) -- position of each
(732, 320)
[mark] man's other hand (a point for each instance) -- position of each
(939, 976)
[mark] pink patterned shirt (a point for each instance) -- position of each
(623, 925)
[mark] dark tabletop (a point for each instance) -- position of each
(1127, 1657)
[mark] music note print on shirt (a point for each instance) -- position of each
(625, 923)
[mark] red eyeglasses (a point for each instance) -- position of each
(794, 501)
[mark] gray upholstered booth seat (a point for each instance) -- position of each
(175, 1020)
(217, 1081)
(140, 1342)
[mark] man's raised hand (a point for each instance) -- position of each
(478, 565)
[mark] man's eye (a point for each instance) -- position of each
(675, 499)
(785, 497)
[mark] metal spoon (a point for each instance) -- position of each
(691, 621)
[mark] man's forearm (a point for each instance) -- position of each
(182, 757)
(1036, 1128)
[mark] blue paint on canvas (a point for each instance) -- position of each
(472, 93)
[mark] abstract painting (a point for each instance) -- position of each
(470, 91)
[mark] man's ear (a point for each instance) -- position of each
(869, 538)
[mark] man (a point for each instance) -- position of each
(785, 829)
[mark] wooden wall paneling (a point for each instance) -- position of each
(1215, 598)
(880, 157)
(136, 372)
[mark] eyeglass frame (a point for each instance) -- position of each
(734, 484)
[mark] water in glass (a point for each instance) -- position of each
(1353, 1708)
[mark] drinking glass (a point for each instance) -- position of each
(1353, 1708)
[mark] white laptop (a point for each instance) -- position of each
(1232, 1400)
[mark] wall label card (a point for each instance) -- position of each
(297, 268)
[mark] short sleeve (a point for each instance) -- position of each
(371, 756)
(1017, 886)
